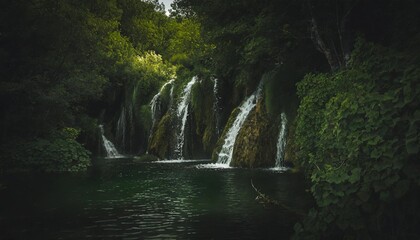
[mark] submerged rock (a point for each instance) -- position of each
(255, 144)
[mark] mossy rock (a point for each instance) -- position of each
(203, 113)
(255, 145)
(222, 137)
(209, 137)
(160, 140)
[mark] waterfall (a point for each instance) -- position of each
(111, 151)
(216, 106)
(121, 127)
(281, 142)
(225, 155)
(182, 114)
(171, 95)
(155, 103)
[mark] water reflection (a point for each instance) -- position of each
(150, 201)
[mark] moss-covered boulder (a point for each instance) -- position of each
(203, 120)
(160, 141)
(193, 145)
(222, 137)
(255, 144)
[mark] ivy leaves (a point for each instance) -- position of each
(59, 152)
(357, 132)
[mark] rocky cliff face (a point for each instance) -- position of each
(255, 144)
(199, 135)
(161, 139)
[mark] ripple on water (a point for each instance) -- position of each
(213, 166)
(276, 169)
(156, 201)
(181, 161)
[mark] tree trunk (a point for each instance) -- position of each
(322, 47)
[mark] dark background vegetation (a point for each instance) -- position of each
(346, 72)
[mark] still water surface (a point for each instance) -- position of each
(119, 199)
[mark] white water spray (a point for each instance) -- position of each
(216, 106)
(121, 127)
(225, 155)
(281, 142)
(182, 114)
(111, 151)
(155, 103)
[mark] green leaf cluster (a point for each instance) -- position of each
(358, 141)
(248, 38)
(60, 152)
(61, 61)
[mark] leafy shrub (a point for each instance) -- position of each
(59, 152)
(358, 139)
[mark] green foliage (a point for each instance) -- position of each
(116, 52)
(70, 133)
(244, 42)
(151, 64)
(62, 54)
(358, 141)
(186, 46)
(60, 152)
(64, 60)
(149, 72)
(143, 25)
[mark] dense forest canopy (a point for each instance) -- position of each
(62, 60)
(356, 131)
(345, 72)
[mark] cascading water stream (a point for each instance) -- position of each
(216, 106)
(121, 127)
(182, 114)
(155, 103)
(225, 155)
(111, 151)
(281, 142)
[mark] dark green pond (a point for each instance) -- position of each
(119, 199)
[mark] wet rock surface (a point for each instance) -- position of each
(255, 145)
